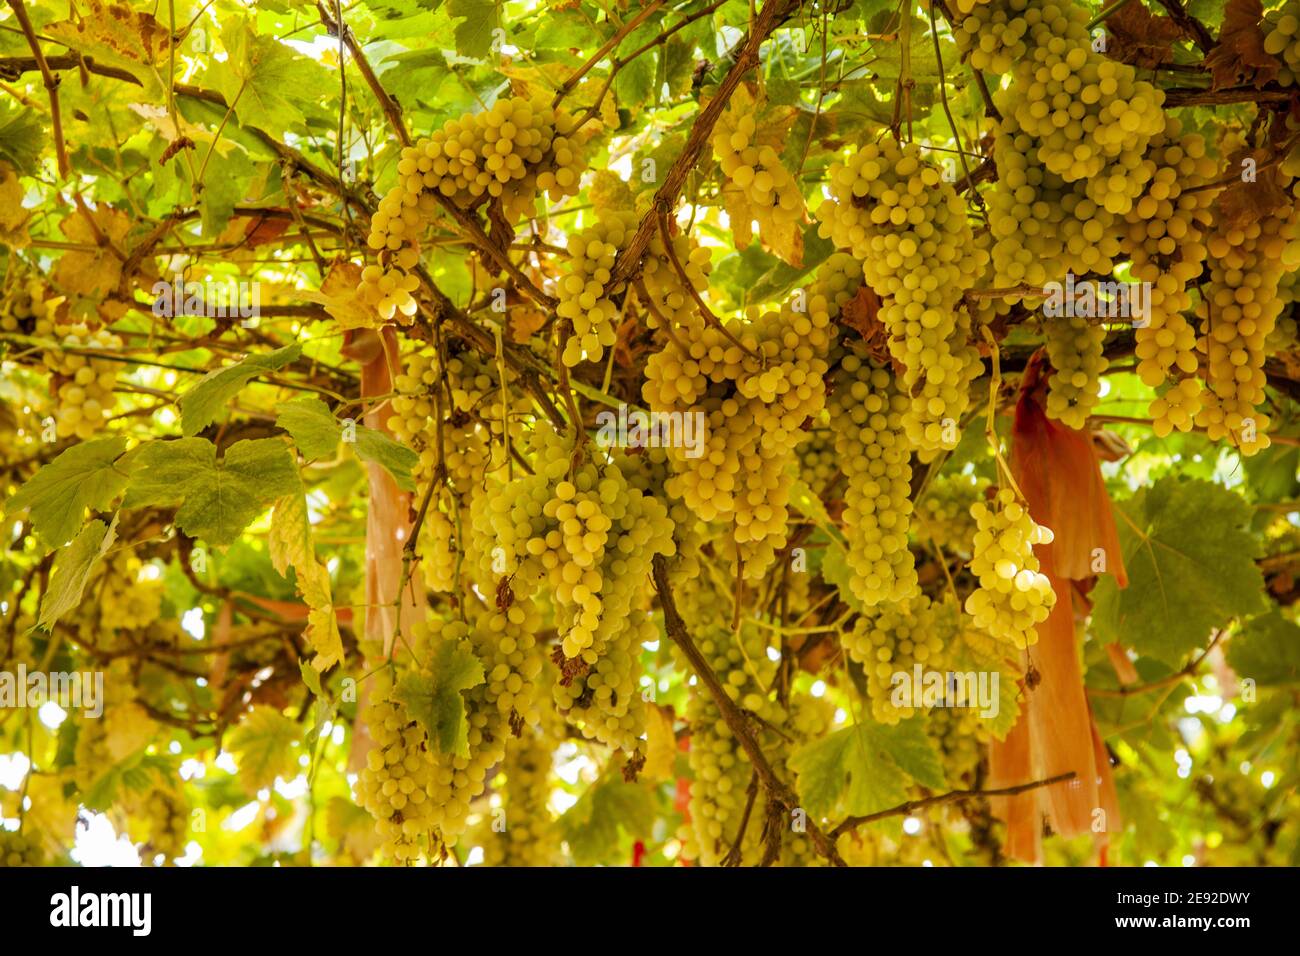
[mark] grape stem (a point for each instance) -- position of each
(778, 793)
(952, 796)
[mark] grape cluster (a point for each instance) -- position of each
(669, 296)
(866, 413)
(753, 399)
(166, 820)
(18, 849)
(893, 211)
(585, 297)
(890, 641)
(1042, 226)
(1238, 312)
(1075, 349)
(394, 785)
(943, 513)
(1281, 28)
(127, 598)
(756, 170)
(1165, 240)
(510, 153)
(959, 735)
(1013, 596)
(994, 35)
(82, 385)
(529, 836)
(605, 702)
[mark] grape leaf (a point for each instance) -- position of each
(265, 746)
(317, 434)
(1239, 55)
(1267, 650)
(475, 32)
(864, 768)
(290, 544)
(433, 695)
(217, 499)
(21, 138)
(258, 74)
(72, 567)
(1191, 566)
(201, 405)
(58, 495)
(591, 826)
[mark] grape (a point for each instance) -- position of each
(669, 296)
(394, 786)
(530, 836)
(1238, 312)
(17, 849)
(1074, 347)
(890, 641)
(1013, 596)
(942, 514)
(867, 420)
(165, 818)
(127, 599)
(585, 298)
(1165, 239)
(756, 170)
(993, 34)
(82, 385)
(1281, 28)
(892, 210)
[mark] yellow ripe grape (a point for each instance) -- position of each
(394, 785)
(942, 515)
(770, 188)
(1013, 596)
(1074, 349)
(523, 831)
(1281, 28)
(83, 384)
(866, 414)
(670, 298)
(894, 211)
(890, 642)
(18, 849)
(585, 297)
(1239, 308)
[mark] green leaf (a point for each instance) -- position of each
(1191, 567)
(396, 459)
(21, 138)
(1267, 650)
(591, 826)
(217, 499)
(260, 75)
(265, 746)
(317, 434)
(313, 426)
(201, 405)
(865, 768)
(58, 495)
(474, 33)
(433, 696)
(72, 567)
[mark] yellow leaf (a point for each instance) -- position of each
(290, 545)
(661, 745)
(130, 730)
(338, 294)
(93, 272)
(13, 217)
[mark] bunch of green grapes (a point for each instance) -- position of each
(757, 172)
(890, 641)
(394, 785)
(163, 821)
(586, 299)
(476, 393)
(819, 462)
(520, 147)
(943, 516)
(1165, 239)
(18, 849)
(649, 472)
(1282, 39)
(579, 529)
(893, 211)
(752, 400)
(604, 703)
(1238, 311)
(866, 415)
(506, 642)
(438, 550)
(807, 719)
(83, 385)
(1090, 116)
(1075, 347)
(527, 834)
(669, 296)
(1013, 596)
(128, 598)
(959, 736)
(719, 767)
(28, 307)
(1042, 226)
(994, 35)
